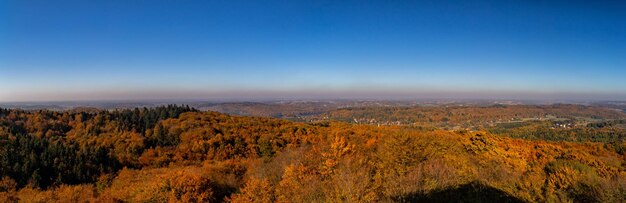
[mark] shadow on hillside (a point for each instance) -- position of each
(471, 192)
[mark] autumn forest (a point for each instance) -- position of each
(501, 153)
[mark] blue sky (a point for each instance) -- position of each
(91, 50)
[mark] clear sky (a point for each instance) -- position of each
(133, 49)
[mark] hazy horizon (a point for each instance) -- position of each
(242, 96)
(151, 50)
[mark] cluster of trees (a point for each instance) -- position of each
(42, 162)
(177, 154)
(46, 148)
(140, 120)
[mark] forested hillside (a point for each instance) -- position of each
(467, 116)
(559, 122)
(178, 154)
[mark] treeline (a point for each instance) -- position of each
(139, 120)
